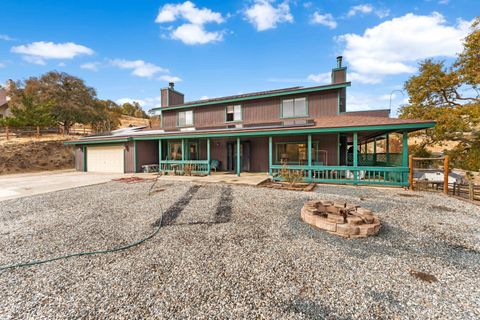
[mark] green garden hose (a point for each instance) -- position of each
(89, 253)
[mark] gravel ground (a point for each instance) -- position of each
(236, 252)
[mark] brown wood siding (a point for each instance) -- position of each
(261, 111)
(175, 98)
(339, 76)
(147, 153)
(79, 157)
(129, 157)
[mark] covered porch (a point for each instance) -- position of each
(364, 157)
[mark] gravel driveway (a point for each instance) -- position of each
(237, 252)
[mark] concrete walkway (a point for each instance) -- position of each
(27, 184)
(246, 178)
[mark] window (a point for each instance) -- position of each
(185, 118)
(296, 154)
(294, 108)
(234, 113)
(175, 151)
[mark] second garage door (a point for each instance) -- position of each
(105, 159)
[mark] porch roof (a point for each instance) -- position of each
(332, 124)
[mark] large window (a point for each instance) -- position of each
(234, 113)
(185, 118)
(296, 154)
(292, 108)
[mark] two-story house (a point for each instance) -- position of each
(297, 128)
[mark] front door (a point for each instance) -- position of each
(245, 152)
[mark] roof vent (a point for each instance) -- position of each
(171, 85)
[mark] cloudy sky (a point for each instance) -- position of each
(129, 49)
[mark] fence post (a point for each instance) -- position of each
(7, 132)
(410, 172)
(445, 175)
(38, 132)
(471, 191)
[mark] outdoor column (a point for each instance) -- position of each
(159, 155)
(375, 151)
(309, 156)
(355, 157)
(208, 154)
(238, 157)
(270, 155)
(183, 149)
(387, 148)
(405, 149)
(134, 156)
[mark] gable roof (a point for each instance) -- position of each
(254, 95)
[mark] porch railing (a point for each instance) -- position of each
(183, 166)
(377, 159)
(392, 176)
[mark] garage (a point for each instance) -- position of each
(105, 159)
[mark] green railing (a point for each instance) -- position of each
(392, 176)
(182, 166)
(377, 159)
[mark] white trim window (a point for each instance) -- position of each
(296, 107)
(234, 113)
(185, 118)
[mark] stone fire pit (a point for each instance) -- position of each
(342, 219)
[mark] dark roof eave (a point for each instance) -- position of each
(253, 96)
(255, 132)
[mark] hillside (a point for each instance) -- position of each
(20, 155)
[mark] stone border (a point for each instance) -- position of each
(345, 220)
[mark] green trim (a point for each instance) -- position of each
(84, 159)
(270, 156)
(338, 149)
(277, 94)
(295, 116)
(338, 69)
(387, 147)
(309, 154)
(134, 156)
(87, 142)
(253, 133)
(238, 157)
(355, 156)
(405, 149)
(338, 102)
(159, 151)
(208, 156)
(183, 149)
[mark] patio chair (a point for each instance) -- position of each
(214, 165)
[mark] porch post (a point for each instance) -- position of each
(208, 154)
(309, 156)
(238, 157)
(159, 155)
(270, 155)
(134, 156)
(355, 157)
(183, 149)
(387, 148)
(405, 149)
(375, 151)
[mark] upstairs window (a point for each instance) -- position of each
(185, 118)
(234, 113)
(292, 108)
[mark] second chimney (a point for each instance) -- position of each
(171, 97)
(339, 74)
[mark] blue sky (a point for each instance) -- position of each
(130, 49)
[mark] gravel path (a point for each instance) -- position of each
(237, 252)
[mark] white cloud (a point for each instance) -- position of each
(366, 9)
(2, 65)
(130, 100)
(38, 52)
(139, 68)
(92, 66)
(324, 77)
(263, 15)
(62, 64)
(169, 78)
(195, 34)
(324, 19)
(204, 98)
(359, 101)
(395, 46)
(6, 37)
(193, 31)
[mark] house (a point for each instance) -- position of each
(307, 129)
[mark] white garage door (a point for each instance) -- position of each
(105, 159)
